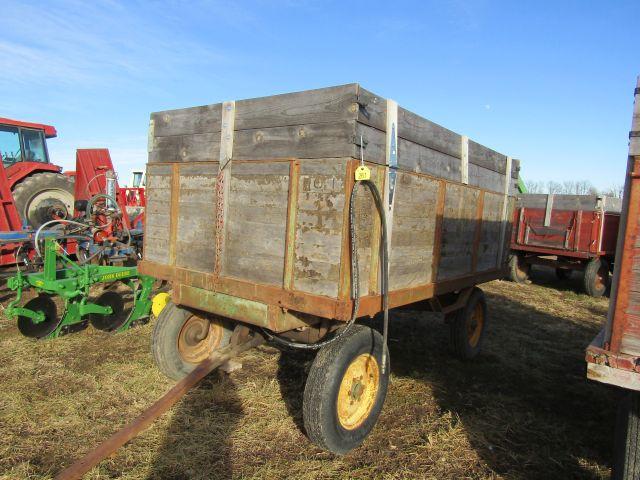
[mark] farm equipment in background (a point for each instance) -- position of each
(35, 193)
(565, 232)
(73, 283)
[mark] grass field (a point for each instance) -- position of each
(523, 409)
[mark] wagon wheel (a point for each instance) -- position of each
(183, 338)
(468, 325)
(596, 277)
(519, 270)
(345, 390)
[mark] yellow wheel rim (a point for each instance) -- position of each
(198, 337)
(358, 391)
(475, 322)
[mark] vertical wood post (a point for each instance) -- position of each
(173, 210)
(437, 231)
(478, 233)
(505, 203)
(225, 155)
(464, 160)
(627, 234)
(292, 211)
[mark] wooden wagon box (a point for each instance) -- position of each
(580, 226)
(247, 206)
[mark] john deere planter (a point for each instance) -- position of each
(123, 301)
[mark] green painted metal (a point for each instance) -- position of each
(522, 188)
(72, 282)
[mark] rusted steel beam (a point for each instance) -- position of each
(143, 421)
(478, 233)
(261, 314)
(174, 212)
(292, 211)
(325, 307)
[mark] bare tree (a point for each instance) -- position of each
(572, 187)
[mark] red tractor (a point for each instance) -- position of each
(40, 191)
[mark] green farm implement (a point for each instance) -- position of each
(124, 299)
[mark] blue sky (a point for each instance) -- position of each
(550, 82)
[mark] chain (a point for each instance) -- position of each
(219, 221)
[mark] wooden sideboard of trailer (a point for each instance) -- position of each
(568, 233)
(249, 216)
(613, 357)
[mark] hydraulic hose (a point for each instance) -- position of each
(355, 281)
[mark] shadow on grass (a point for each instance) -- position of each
(197, 444)
(525, 404)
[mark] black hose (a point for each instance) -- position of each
(355, 281)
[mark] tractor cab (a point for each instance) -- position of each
(39, 189)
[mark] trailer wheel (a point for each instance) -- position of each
(345, 390)
(563, 273)
(518, 269)
(626, 462)
(596, 277)
(182, 339)
(468, 325)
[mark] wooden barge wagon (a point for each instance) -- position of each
(565, 232)
(250, 215)
(613, 357)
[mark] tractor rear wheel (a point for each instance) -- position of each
(183, 338)
(44, 196)
(345, 390)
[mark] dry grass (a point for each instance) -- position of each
(523, 409)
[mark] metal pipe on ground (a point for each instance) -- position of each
(144, 420)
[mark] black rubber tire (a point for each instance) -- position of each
(626, 454)
(38, 182)
(592, 285)
(518, 269)
(563, 274)
(458, 321)
(164, 341)
(319, 406)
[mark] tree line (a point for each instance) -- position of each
(572, 187)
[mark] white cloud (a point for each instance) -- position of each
(74, 43)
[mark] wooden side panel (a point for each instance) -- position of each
(157, 213)
(319, 226)
(257, 222)
(412, 241)
(488, 248)
(195, 239)
(201, 147)
(187, 121)
(319, 140)
(458, 231)
(420, 159)
(486, 178)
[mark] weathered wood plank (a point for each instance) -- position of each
(196, 219)
(187, 121)
(321, 202)
(414, 225)
(458, 228)
(256, 223)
